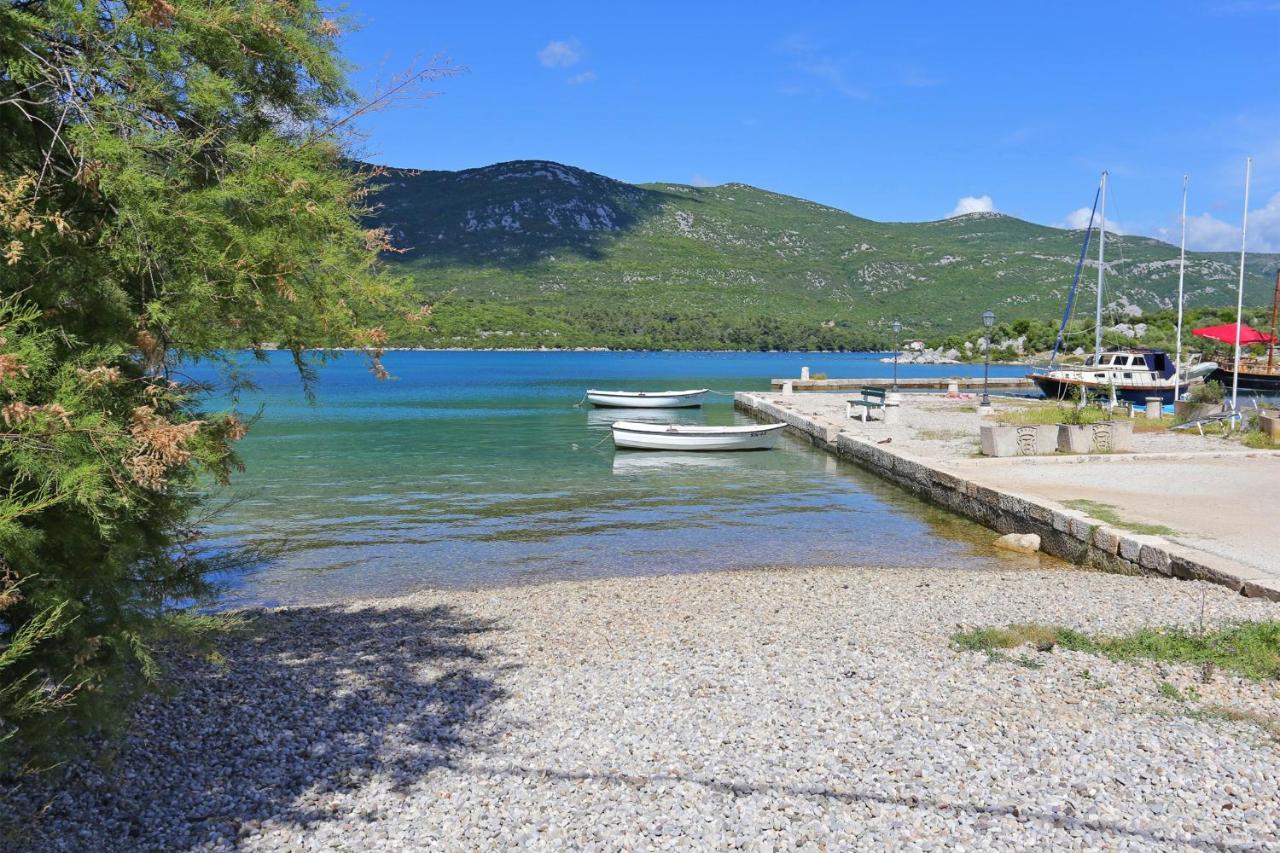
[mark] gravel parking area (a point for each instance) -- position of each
(811, 709)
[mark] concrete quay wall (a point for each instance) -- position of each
(1064, 533)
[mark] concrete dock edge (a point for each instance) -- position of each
(1067, 534)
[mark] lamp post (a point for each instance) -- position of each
(988, 320)
(897, 331)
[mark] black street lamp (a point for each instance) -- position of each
(897, 331)
(988, 320)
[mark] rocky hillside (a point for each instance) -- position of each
(532, 253)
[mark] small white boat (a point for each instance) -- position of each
(641, 436)
(647, 399)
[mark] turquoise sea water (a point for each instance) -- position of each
(475, 468)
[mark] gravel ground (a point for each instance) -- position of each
(810, 709)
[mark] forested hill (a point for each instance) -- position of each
(532, 253)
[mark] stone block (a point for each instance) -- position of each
(1129, 549)
(1080, 529)
(1106, 540)
(1154, 559)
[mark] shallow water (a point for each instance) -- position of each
(475, 468)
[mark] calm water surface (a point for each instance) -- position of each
(475, 468)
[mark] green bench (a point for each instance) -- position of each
(872, 398)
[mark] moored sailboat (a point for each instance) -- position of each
(1134, 374)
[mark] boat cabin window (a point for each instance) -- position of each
(1104, 359)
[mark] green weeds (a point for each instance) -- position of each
(1108, 514)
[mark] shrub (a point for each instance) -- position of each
(1207, 393)
(171, 188)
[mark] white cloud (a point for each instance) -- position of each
(585, 77)
(973, 204)
(701, 181)
(1207, 233)
(808, 59)
(561, 54)
(1078, 220)
(830, 71)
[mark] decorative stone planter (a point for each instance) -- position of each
(1075, 438)
(1185, 410)
(1113, 437)
(1269, 423)
(1102, 437)
(1018, 440)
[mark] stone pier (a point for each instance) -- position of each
(972, 487)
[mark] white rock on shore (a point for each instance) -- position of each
(775, 709)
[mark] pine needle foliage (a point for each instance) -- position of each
(171, 188)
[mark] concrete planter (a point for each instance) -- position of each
(1075, 438)
(1102, 437)
(1269, 423)
(1185, 410)
(1113, 437)
(1018, 440)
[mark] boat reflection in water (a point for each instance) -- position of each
(606, 417)
(658, 462)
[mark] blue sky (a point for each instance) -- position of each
(893, 111)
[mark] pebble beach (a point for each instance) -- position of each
(810, 709)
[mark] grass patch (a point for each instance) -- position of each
(1231, 715)
(1160, 424)
(1169, 691)
(1041, 636)
(1050, 414)
(1107, 513)
(942, 434)
(1250, 649)
(1259, 441)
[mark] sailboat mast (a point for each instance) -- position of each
(1182, 272)
(1275, 325)
(1244, 231)
(1102, 262)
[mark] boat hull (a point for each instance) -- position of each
(1266, 382)
(641, 436)
(1058, 389)
(647, 399)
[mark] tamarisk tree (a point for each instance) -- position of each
(172, 186)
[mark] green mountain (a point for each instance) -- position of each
(532, 253)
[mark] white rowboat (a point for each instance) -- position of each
(641, 436)
(647, 399)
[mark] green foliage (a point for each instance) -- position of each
(1207, 392)
(169, 187)
(1108, 514)
(1053, 413)
(1250, 649)
(1260, 441)
(1043, 636)
(532, 253)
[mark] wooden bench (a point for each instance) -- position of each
(872, 398)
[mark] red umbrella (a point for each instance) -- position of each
(1227, 334)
